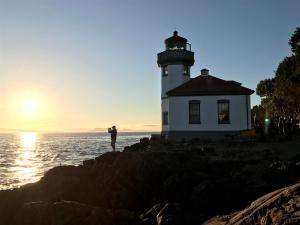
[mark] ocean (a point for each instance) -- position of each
(26, 156)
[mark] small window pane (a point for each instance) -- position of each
(194, 112)
(186, 71)
(165, 118)
(164, 71)
(223, 112)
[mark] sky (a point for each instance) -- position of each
(91, 64)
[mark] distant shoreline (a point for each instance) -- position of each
(78, 132)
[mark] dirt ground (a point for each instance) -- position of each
(252, 149)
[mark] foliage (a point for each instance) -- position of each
(281, 94)
(294, 39)
(286, 70)
(258, 114)
(265, 88)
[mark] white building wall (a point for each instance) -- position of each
(165, 108)
(179, 113)
(249, 111)
(174, 79)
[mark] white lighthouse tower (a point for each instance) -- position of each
(175, 63)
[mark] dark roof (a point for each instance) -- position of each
(209, 85)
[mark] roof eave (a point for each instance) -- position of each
(209, 93)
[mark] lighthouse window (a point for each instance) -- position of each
(223, 111)
(194, 112)
(186, 71)
(165, 119)
(165, 71)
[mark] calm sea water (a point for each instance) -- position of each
(25, 157)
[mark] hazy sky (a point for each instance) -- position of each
(91, 64)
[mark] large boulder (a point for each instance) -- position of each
(279, 207)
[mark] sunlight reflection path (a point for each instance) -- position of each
(25, 167)
(26, 156)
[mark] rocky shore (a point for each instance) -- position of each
(159, 182)
(279, 207)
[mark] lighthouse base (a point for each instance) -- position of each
(188, 135)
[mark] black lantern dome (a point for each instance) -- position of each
(178, 51)
(176, 42)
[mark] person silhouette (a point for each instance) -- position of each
(113, 135)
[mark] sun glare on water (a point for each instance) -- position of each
(25, 168)
(30, 106)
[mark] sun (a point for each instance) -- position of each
(30, 106)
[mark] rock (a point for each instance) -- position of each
(133, 148)
(72, 213)
(163, 214)
(138, 179)
(141, 146)
(149, 218)
(144, 142)
(89, 162)
(278, 207)
(170, 214)
(153, 211)
(126, 149)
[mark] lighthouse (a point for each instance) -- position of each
(175, 63)
(201, 107)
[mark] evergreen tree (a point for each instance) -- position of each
(294, 39)
(281, 94)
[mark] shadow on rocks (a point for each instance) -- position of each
(163, 214)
